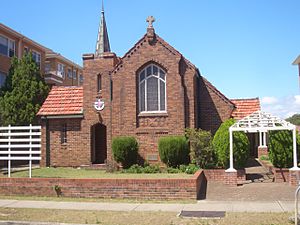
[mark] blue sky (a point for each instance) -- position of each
(245, 48)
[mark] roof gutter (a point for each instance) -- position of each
(72, 116)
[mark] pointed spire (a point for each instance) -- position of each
(102, 44)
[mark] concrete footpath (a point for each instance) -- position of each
(203, 205)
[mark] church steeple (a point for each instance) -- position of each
(102, 44)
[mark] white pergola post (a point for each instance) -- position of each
(230, 169)
(295, 167)
(265, 139)
(260, 138)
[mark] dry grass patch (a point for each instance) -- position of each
(138, 218)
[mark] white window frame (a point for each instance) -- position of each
(9, 41)
(145, 80)
(61, 70)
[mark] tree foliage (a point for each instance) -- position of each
(240, 146)
(23, 93)
(201, 149)
(173, 150)
(281, 148)
(295, 119)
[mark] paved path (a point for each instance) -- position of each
(250, 192)
(204, 205)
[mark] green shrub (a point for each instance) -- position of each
(240, 146)
(281, 148)
(201, 149)
(139, 169)
(191, 169)
(173, 150)
(264, 157)
(182, 168)
(173, 170)
(125, 150)
(135, 168)
(151, 169)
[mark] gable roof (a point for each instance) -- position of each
(63, 100)
(245, 107)
(160, 41)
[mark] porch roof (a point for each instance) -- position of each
(63, 100)
(244, 107)
(261, 122)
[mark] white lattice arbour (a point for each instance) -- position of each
(20, 143)
(262, 122)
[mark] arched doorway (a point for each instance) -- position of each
(98, 144)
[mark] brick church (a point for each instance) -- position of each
(152, 91)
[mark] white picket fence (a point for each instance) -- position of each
(20, 143)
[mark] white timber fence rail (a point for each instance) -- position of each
(20, 143)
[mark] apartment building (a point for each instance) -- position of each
(54, 67)
(61, 71)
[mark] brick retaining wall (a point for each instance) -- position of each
(154, 189)
(232, 178)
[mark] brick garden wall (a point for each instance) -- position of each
(154, 189)
(227, 178)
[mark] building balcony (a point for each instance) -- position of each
(54, 77)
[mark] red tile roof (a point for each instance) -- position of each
(245, 107)
(63, 101)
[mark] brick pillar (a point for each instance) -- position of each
(294, 177)
(262, 150)
(231, 178)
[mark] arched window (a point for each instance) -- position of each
(152, 89)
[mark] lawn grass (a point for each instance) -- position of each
(138, 218)
(109, 200)
(63, 172)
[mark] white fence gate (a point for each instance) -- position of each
(20, 143)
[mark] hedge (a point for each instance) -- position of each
(173, 150)
(125, 150)
(281, 148)
(221, 145)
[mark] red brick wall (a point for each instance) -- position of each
(161, 189)
(281, 175)
(294, 177)
(228, 178)
(180, 96)
(65, 154)
(213, 110)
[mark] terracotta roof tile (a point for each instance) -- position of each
(63, 101)
(244, 107)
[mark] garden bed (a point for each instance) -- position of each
(66, 172)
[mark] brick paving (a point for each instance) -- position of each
(250, 192)
(259, 188)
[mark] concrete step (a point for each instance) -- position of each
(101, 166)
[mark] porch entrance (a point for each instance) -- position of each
(98, 143)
